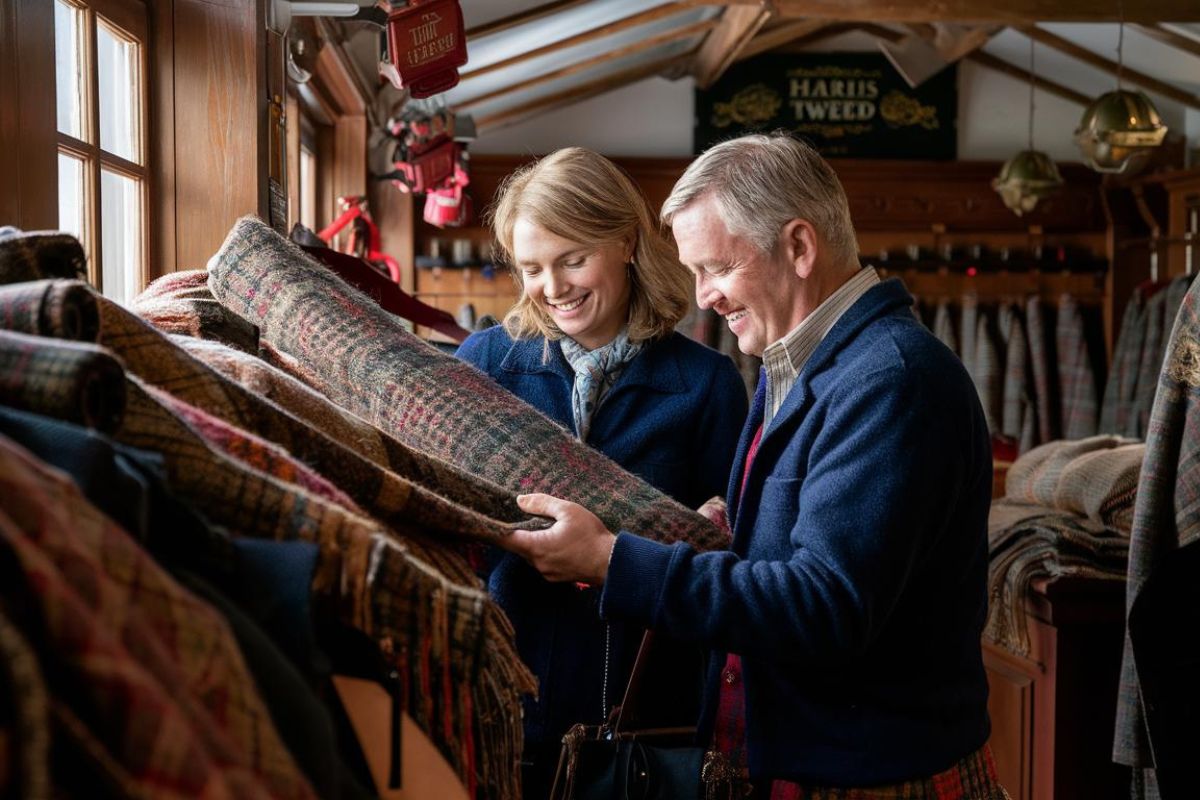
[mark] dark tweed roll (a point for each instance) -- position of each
(366, 362)
(181, 303)
(77, 382)
(62, 309)
(33, 255)
(1166, 519)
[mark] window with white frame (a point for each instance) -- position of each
(100, 76)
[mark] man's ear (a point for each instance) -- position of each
(800, 245)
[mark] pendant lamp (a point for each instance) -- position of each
(1120, 129)
(1030, 175)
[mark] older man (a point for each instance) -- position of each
(846, 616)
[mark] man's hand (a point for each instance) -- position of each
(575, 548)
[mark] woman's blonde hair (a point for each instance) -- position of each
(582, 196)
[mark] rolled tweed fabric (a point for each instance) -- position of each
(80, 383)
(62, 309)
(366, 362)
(181, 303)
(33, 255)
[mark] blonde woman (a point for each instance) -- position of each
(591, 344)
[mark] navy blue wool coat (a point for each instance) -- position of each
(856, 588)
(673, 419)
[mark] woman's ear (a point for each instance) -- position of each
(630, 247)
(800, 243)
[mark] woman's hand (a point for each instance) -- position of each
(576, 547)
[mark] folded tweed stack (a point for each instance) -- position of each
(1027, 542)
(361, 358)
(180, 302)
(1096, 477)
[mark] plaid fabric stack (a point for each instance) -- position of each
(361, 358)
(181, 303)
(403, 583)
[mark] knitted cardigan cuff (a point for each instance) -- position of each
(636, 571)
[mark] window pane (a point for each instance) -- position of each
(120, 88)
(68, 56)
(308, 188)
(71, 196)
(121, 235)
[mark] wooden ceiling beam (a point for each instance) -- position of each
(1169, 37)
(667, 37)
(721, 47)
(778, 36)
(585, 91)
(1010, 12)
(515, 20)
(997, 64)
(1100, 62)
(600, 31)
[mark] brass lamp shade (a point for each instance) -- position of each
(1118, 132)
(1026, 178)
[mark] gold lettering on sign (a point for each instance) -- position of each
(427, 30)
(432, 50)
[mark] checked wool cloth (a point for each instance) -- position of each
(1166, 518)
(360, 357)
(180, 302)
(33, 255)
(73, 381)
(401, 584)
(147, 682)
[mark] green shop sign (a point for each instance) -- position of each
(848, 105)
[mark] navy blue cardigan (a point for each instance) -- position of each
(673, 419)
(856, 588)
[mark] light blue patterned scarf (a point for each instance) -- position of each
(595, 373)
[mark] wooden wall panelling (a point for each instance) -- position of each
(394, 212)
(28, 158)
(218, 112)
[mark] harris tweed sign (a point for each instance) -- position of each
(848, 105)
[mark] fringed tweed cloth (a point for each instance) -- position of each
(180, 302)
(360, 357)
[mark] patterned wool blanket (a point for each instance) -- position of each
(1027, 542)
(361, 358)
(180, 302)
(143, 677)
(73, 381)
(1096, 477)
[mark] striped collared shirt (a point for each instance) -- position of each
(785, 358)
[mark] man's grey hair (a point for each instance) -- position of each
(760, 183)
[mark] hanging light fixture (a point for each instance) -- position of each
(1030, 175)
(1120, 129)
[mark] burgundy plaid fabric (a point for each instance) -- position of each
(180, 302)
(143, 669)
(972, 778)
